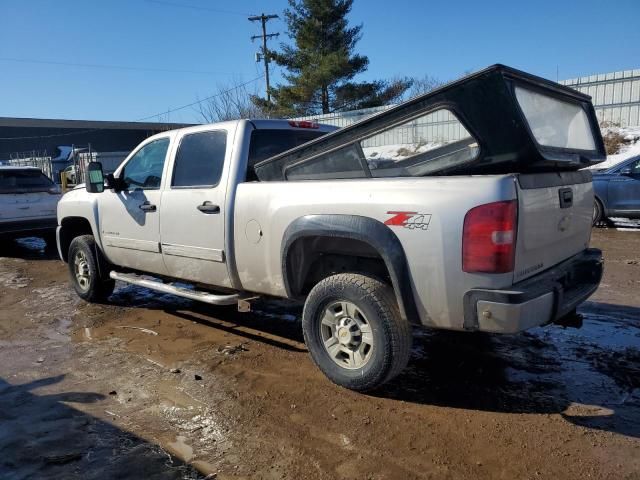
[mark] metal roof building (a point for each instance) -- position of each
(615, 95)
(45, 135)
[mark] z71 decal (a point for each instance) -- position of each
(410, 220)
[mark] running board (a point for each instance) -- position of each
(197, 295)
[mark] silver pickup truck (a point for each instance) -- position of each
(464, 209)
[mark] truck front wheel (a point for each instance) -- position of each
(354, 331)
(84, 258)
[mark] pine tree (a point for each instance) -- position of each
(321, 64)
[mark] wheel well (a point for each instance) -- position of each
(316, 246)
(70, 228)
(311, 259)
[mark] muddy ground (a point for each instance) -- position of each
(151, 386)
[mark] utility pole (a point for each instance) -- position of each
(265, 53)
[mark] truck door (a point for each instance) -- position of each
(193, 209)
(130, 219)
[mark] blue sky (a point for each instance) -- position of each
(210, 46)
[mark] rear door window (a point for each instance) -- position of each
(23, 181)
(200, 159)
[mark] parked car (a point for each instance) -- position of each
(70, 173)
(617, 191)
(28, 201)
(486, 231)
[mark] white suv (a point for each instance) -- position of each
(28, 202)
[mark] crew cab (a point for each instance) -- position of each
(28, 203)
(465, 209)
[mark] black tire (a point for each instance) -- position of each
(598, 212)
(95, 286)
(375, 302)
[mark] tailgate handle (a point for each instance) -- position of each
(566, 197)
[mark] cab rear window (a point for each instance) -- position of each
(266, 143)
(23, 181)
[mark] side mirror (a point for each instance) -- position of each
(626, 171)
(95, 178)
(114, 183)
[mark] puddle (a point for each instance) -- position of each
(32, 243)
(181, 449)
(590, 375)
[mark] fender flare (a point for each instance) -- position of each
(367, 230)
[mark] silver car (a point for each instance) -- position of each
(28, 201)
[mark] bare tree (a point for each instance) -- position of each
(232, 101)
(422, 85)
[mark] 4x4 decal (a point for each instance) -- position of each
(410, 220)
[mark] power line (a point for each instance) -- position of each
(196, 7)
(114, 67)
(201, 101)
(166, 112)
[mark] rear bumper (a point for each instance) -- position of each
(536, 301)
(28, 226)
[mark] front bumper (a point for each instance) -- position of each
(28, 226)
(538, 300)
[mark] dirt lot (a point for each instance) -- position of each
(150, 386)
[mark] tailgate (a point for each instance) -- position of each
(554, 219)
(19, 206)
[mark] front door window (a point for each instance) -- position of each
(144, 170)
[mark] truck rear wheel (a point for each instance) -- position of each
(354, 331)
(84, 258)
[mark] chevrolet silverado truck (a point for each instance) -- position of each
(466, 208)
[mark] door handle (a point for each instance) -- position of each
(147, 207)
(208, 207)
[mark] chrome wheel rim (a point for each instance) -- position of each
(81, 269)
(346, 335)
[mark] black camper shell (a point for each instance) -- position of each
(489, 105)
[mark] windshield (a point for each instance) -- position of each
(23, 181)
(266, 143)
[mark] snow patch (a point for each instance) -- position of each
(398, 151)
(632, 149)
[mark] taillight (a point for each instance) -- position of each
(303, 124)
(489, 238)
